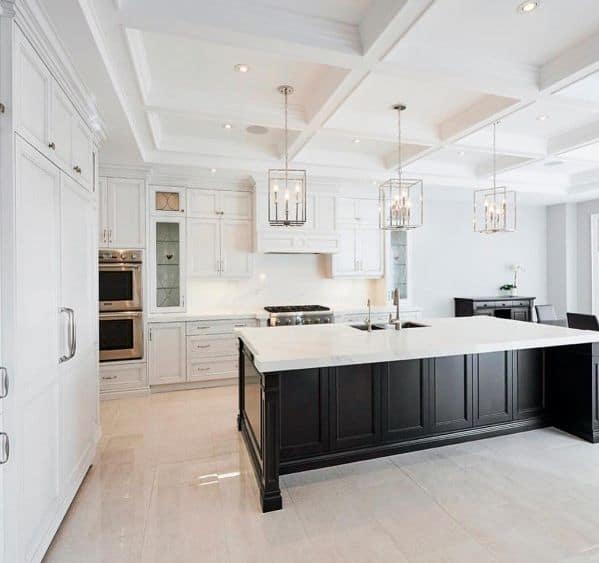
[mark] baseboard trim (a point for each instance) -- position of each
(383, 450)
(193, 385)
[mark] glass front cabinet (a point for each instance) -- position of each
(167, 278)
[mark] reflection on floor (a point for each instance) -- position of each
(172, 483)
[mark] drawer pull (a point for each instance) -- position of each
(204, 369)
(202, 345)
(109, 377)
(52, 146)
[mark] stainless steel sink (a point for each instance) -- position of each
(407, 324)
(410, 324)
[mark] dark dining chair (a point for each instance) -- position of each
(583, 322)
(545, 313)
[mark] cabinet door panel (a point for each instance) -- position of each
(236, 249)
(236, 205)
(79, 374)
(344, 263)
(492, 388)
(304, 413)
(32, 104)
(368, 211)
(530, 394)
(370, 252)
(451, 388)
(355, 406)
(405, 392)
(103, 219)
(82, 160)
(127, 213)
(203, 254)
(60, 127)
(345, 210)
(36, 396)
(167, 359)
(203, 204)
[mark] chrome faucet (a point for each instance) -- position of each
(396, 321)
(368, 320)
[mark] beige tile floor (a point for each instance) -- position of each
(172, 483)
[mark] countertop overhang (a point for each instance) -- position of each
(302, 347)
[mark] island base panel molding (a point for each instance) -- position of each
(310, 418)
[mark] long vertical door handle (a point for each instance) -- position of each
(72, 334)
(4, 382)
(5, 448)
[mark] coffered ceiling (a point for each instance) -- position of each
(459, 65)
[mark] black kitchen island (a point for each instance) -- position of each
(320, 415)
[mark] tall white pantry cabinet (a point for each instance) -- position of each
(48, 302)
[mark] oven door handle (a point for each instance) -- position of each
(120, 266)
(120, 315)
(72, 335)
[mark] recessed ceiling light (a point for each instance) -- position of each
(542, 117)
(227, 126)
(553, 163)
(529, 6)
(241, 68)
(257, 130)
(356, 140)
(213, 170)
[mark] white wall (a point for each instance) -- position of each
(562, 243)
(584, 212)
(450, 260)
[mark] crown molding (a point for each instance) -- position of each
(7, 8)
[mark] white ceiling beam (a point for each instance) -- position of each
(220, 111)
(478, 115)
(400, 16)
(263, 27)
(571, 65)
(574, 139)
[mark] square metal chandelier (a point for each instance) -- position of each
(495, 210)
(286, 187)
(286, 197)
(401, 204)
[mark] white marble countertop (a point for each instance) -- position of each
(301, 347)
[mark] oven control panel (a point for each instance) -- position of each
(120, 256)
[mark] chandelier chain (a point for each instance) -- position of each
(286, 92)
(399, 145)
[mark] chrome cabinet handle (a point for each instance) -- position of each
(5, 382)
(110, 236)
(77, 169)
(109, 377)
(5, 448)
(105, 232)
(72, 335)
(202, 345)
(203, 369)
(52, 145)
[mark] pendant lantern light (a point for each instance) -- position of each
(400, 199)
(286, 187)
(494, 208)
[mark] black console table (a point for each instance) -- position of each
(506, 307)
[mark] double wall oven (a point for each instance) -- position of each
(121, 305)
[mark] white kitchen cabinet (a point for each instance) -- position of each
(33, 82)
(356, 211)
(165, 201)
(60, 136)
(118, 377)
(121, 213)
(236, 259)
(360, 255)
(51, 414)
(82, 165)
(203, 250)
(167, 264)
(220, 246)
(167, 353)
(214, 204)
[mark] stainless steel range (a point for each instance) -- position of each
(299, 315)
